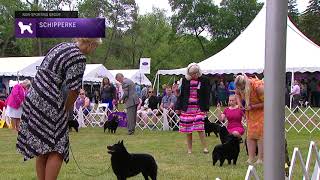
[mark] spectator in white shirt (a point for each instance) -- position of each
(295, 93)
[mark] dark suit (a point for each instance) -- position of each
(131, 100)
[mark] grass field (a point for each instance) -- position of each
(168, 148)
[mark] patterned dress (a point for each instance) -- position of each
(192, 119)
(43, 127)
(255, 117)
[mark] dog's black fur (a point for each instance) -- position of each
(218, 128)
(126, 165)
(211, 127)
(73, 124)
(111, 124)
(223, 134)
(229, 150)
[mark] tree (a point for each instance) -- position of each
(8, 46)
(233, 17)
(119, 14)
(293, 12)
(239, 14)
(310, 21)
(193, 17)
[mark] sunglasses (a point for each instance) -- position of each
(150, 91)
(81, 93)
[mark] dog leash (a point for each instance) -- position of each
(87, 174)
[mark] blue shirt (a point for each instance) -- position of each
(231, 86)
(138, 90)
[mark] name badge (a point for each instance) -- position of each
(199, 85)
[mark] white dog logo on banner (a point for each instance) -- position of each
(23, 27)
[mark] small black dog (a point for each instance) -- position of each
(229, 150)
(223, 134)
(126, 165)
(211, 127)
(73, 124)
(111, 124)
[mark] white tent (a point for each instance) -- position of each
(246, 54)
(95, 73)
(134, 75)
(19, 66)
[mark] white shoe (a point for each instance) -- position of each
(250, 162)
(259, 161)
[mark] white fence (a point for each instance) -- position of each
(306, 119)
(296, 156)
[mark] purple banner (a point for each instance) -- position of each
(60, 27)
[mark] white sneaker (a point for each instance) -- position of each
(249, 161)
(259, 161)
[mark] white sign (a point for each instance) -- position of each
(145, 65)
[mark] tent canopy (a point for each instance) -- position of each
(95, 73)
(246, 54)
(134, 75)
(19, 66)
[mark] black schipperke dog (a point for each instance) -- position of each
(73, 124)
(126, 165)
(229, 150)
(211, 127)
(223, 134)
(111, 124)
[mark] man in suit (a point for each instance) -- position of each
(130, 99)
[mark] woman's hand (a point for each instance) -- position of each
(114, 101)
(249, 108)
(218, 106)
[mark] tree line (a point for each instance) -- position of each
(197, 29)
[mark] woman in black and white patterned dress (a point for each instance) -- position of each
(43, 130)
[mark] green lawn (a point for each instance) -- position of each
(168, 148)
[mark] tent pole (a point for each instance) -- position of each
(291, 86)
(274, 104)
(155, 81)
(18, 77)
(158, 84)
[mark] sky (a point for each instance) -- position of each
(145, 6)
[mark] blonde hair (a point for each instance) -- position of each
(193, 68)
(241, 80)
(27, 83)
(87, 45)
(82, 90)
(88, 40)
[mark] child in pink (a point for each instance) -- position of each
(234, 116)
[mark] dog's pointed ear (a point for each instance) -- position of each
(121, 142)
(118, 142)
